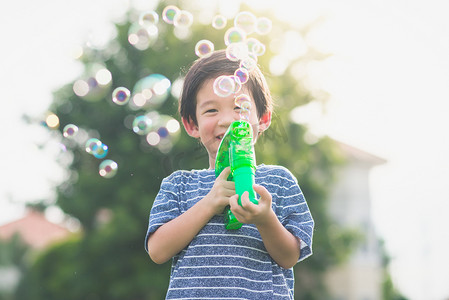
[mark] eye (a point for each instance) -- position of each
(210, 111)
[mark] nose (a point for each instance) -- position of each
(226, 119)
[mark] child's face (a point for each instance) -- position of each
(214, 115)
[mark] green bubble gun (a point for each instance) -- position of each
(237, 151)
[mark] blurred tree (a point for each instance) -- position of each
(106, 259)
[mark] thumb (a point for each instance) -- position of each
(263, 192)
(224, 174)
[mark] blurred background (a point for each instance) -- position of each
(361, 106)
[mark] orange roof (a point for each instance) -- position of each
(34, 229)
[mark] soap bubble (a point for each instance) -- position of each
(237, 83)
(142, 37)
(183, 19)
(243, 101)
(236, 51)
(142, 124)
(95, 147)
(244, 114)
(219, 22)
(169, 13)
(100, 151)
(204, 48)
(148, 18)
(242, 74)
(121, 95)
(234, 35)
(245, 21)
(108, 168)
(70, 131)
(150, 92)
(224, 86)
(91, 144)
(94, 84)
(248, 63)
(255, 46)
(263, 25)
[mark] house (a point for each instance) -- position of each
(35, 231)
(361, 277)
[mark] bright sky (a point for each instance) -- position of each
(388, 81)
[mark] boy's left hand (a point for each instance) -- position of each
(249, 212)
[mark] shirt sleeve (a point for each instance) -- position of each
(165, 206)
(294, 213)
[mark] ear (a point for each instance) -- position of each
(191, 127)
(265, 121)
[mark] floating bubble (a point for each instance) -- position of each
(169, 13)
(108, 168)
(263, 25)
(237, 84)
(142, 124)
(92, 144)
(121, 95)
(204, 48)
(248, 63)
(236, 51)
(242, 74)
(142, 37)
(234, 35)
(255, 46)
(245, 21)
(183, 19)
(70, 131)
(94, 84)
(243, 101)
(219, 22)
(150, 92)
(100, 151)
(224, 86)
(244, 114)
(148, 18)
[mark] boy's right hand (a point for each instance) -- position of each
(218, 196)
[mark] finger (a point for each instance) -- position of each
(233, 202)
(225, 173)
(244, 200)
(262, 191)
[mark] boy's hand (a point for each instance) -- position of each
(218, 197)
(249, 212)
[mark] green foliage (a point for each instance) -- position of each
(107, 260)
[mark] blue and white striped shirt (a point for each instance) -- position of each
(231, 264)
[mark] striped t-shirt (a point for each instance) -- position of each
(231, 264)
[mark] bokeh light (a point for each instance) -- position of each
(150, 92)
(183, 19)
(148, 18)
(94, 84)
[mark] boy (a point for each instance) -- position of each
(186, 220)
